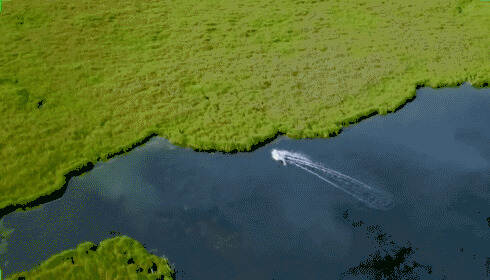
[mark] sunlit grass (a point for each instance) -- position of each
(116, 258)
(82, 79)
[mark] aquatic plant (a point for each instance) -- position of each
(390, 266)
(389, 261)
(116, 258)
(82, 80)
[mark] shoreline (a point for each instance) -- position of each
(218, 80)
(123, 251)
(58, 192)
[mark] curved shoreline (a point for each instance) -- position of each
(58, 192)
(228, 79)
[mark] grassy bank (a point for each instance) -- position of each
(80, 80)
(115, 258)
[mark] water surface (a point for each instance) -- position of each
(243, 216)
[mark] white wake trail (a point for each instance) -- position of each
(372, 197)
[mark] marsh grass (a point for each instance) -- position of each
(212, 75)
(115, 258)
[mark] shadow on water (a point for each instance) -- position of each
(47, 198)
(74, 173)
(89, 166)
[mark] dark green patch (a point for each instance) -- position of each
(23, 97)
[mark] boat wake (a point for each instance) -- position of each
(372, 197)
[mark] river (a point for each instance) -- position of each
(246, 216)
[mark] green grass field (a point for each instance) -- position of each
(115, 258)
(80, 80)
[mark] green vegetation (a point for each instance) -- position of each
(80, 80)
(115, 258)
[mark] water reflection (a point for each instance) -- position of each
(222, 216)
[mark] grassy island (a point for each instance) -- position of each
(83, 80)
(115, 258)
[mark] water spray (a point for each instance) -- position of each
(372, 197)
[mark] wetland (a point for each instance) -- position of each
(245, 215)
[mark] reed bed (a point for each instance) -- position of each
(83, 80)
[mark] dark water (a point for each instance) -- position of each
(243, 216)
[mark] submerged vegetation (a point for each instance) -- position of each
(390, 261)
(83, 80)
(4, 235)
(115, 258)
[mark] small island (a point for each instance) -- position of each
(116, 258)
